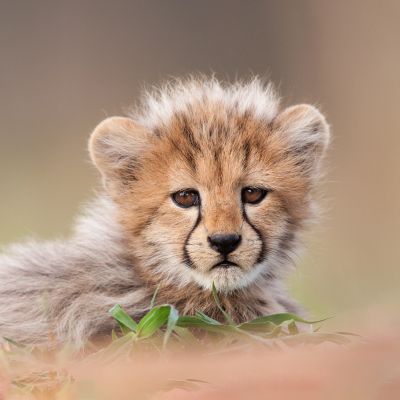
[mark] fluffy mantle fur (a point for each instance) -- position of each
(198, 133)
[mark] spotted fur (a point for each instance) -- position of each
(200, 134)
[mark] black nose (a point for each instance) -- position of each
(224, 243)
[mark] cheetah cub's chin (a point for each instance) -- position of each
(212, 183)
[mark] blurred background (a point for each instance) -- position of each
(66, 65)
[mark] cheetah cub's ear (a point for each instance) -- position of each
(306, 132)
(114, 147)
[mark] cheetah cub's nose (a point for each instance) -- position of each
(224, 243)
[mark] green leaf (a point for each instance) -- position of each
(185, 334)
(171, 324)
(219, 305)
(279, 319)
(123, 318)
(199, 322)
(114, 335)
(207, 319)
(265, 327)
(275, 332)
(153, 320)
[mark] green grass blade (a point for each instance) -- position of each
(199, 323)
(207, 319)
(185, 335)
(153, 299)
(262, 327)
(228, 318)
(123, 318)
(171, 324)
(279, 319)
(153, 320)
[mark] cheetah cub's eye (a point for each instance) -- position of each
(186, 198)
(253, 195)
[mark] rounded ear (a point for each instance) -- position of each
(114, 147)
(306, 132)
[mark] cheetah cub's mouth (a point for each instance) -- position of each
(213, 183)
(225, 264)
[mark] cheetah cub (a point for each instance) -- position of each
(205, 182)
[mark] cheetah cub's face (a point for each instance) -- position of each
(215, 189)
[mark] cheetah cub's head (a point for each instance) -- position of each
(212, 182)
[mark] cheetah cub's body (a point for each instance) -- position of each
(205, 183)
